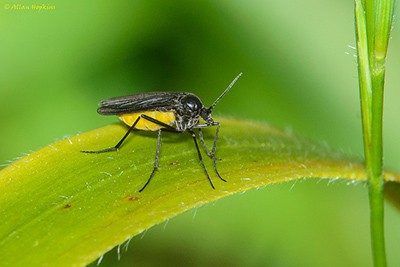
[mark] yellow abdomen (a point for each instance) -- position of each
(166, 117)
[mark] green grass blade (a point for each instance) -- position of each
(60, 207)
(373, 25)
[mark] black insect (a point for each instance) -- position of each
(165, 111)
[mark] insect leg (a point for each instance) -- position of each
(155, 167)
(203, 144)
(166, 126)
(215, 138)
(117, 145)
(142, 116)
(200, 157)
(212, 153)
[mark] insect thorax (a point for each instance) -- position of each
(188, 109)
(183, 122)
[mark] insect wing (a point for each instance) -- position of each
(163, 101)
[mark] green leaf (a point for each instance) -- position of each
(60, 207)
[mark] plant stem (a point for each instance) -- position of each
(375, 177)
(373, 24)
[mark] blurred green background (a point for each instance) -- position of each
(299, 73)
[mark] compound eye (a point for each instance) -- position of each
(192, 103)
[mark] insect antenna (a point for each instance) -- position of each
(226, 91)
